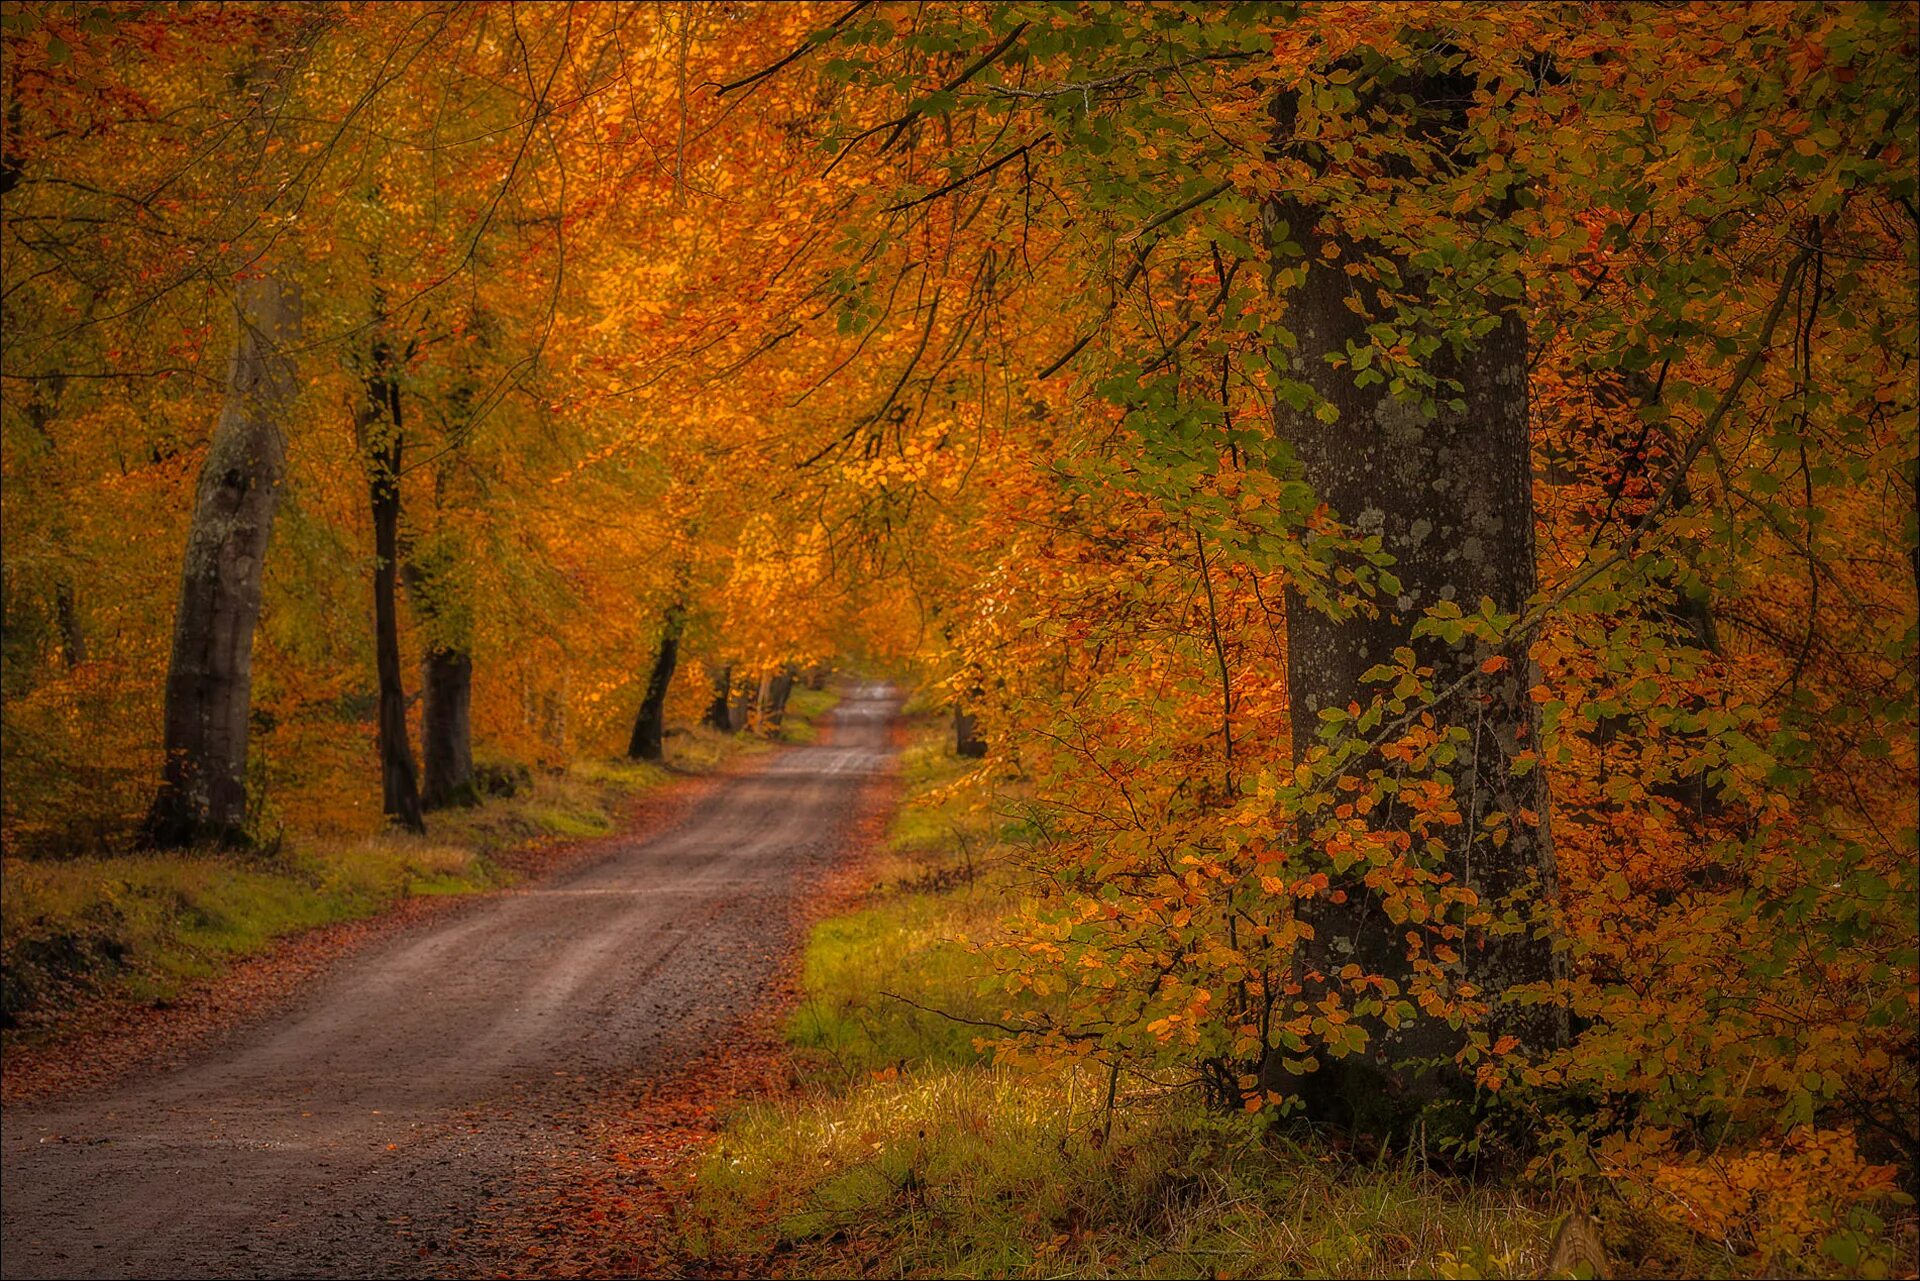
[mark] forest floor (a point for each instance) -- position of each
(462, 1093)
(682, 1050)
(890, 1139)
(113, 964)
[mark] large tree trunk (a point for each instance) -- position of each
(1449, 494)
(203, 792)
(649, 727)
(446, 728)
(384, 441)
(717, 716)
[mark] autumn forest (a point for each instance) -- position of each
(960, 639)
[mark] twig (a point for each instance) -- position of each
(1133, 271)
(1084, 88)
(899, 126)
(958, 1018)
(957, 183)
(1541, 612)
(800, 51)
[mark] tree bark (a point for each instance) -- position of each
(717, 716)
(73, 637)
(762, 701)
(446, 685)
(1449, 493)
(742, 711)
(649, 727)
(203, 792)
(966, 733)
(384, 440)
(777, 696)
(446, 728)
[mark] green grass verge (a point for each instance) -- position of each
(141, 927)
(907, 1152)
(144, 925)
(803, 707)
(980, 1172)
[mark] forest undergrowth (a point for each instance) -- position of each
(911, 1148)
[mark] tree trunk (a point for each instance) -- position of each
(1449, 494)
(553, 717)
(446, 687)
(717, 716)
(966, 733)
(73, 637)
(203, 792)
(780, 691)
(649, 727)
(384, 441)
(446, 728)
(742, 711)
(762, 701)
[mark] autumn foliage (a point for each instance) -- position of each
(1022, 346)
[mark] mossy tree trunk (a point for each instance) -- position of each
(203, 792)
(777, 696)
(1448, 491)
(741, 713)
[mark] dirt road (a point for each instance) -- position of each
(360, 1132)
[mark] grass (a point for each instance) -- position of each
(928, 894)
(803, 707)
(145, 925)
(908, 1152)
(982, 1172)
(141, 927)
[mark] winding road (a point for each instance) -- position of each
(415, 1081)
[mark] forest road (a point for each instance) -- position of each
(361, 1131)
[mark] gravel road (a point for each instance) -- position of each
(361, 1131)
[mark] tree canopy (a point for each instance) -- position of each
(1417, 502)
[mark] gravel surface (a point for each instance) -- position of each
(371, 1128)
